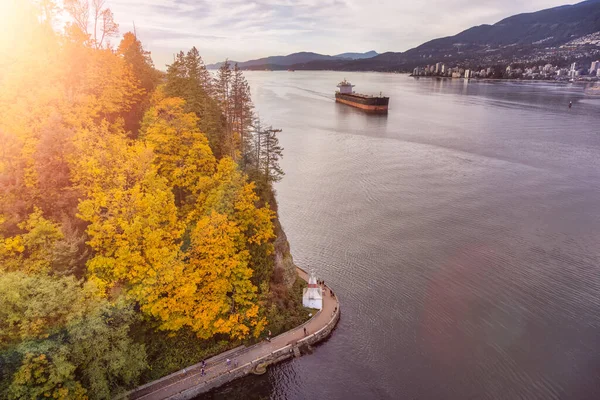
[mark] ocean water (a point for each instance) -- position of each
(461, 233)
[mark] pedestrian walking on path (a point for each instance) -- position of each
(202, 372)
(235, 363)
(228, 362)
(305, 331)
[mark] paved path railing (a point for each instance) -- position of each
(188, 383)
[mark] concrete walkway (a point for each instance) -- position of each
(216, 366)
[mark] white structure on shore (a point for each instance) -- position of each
(573, 70)
(312, 296)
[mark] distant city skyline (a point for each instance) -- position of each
(243, 30)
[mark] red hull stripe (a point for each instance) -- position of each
(362, 106)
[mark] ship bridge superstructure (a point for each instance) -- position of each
(345, 87)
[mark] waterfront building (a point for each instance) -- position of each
(467, 73)
(456, 74)
(312, 296)
(438, 67)
(594, 67)
(419, 71)
(573, 70)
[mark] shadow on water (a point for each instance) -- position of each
(252, 387)
(352, 120)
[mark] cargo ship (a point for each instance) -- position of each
(365, 102)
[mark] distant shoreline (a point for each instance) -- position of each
(562, 82)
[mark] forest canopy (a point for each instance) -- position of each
(131, 201)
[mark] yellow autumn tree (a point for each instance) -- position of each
(31, 90)
(233, 195)
(52, 85)
(210, 290)
(183, 155)
(219, 296)
(133, 226)
(216, 296)
(135, 231)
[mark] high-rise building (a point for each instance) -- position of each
(573, 70)
(594, 67)
(438, 67)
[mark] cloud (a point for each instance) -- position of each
(241, 30)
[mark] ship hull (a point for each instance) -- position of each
(366, 103)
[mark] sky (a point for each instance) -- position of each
(243, 30)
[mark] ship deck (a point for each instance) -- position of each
(363, 96)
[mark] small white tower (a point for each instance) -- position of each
(312, 296)
(345, 87)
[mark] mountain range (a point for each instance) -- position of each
(552, 34)
(282, 62)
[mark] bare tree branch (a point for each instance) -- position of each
(103, 20)
(80, 12)
(109, 27)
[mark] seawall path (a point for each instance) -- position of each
(188, 383)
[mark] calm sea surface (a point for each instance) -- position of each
(461, 233)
